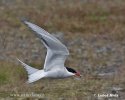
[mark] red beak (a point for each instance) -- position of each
(78, 74)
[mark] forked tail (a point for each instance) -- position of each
(33, 73)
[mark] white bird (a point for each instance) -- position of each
(55, 58)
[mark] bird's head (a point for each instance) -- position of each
(76, 73)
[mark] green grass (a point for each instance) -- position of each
(3, 78)
(13, 81)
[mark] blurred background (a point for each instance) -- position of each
(92, 30)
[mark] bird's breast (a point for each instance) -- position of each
(57, 73)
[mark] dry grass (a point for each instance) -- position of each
(13, 80)
(85, 19)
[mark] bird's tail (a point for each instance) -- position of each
(36, 76)
(30, 70)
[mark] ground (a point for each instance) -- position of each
(92, 30)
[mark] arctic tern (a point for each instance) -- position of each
(55, 57)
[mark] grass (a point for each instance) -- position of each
(14, 78)
(76, 19)
(3, 78)
(13, 81)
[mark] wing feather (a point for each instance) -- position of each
(56, 51)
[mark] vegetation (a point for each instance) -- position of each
(94, 32)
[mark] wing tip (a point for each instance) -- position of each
(24, 20)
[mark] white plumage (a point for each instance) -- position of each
(55, 58)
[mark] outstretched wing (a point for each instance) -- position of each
(56, 51)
